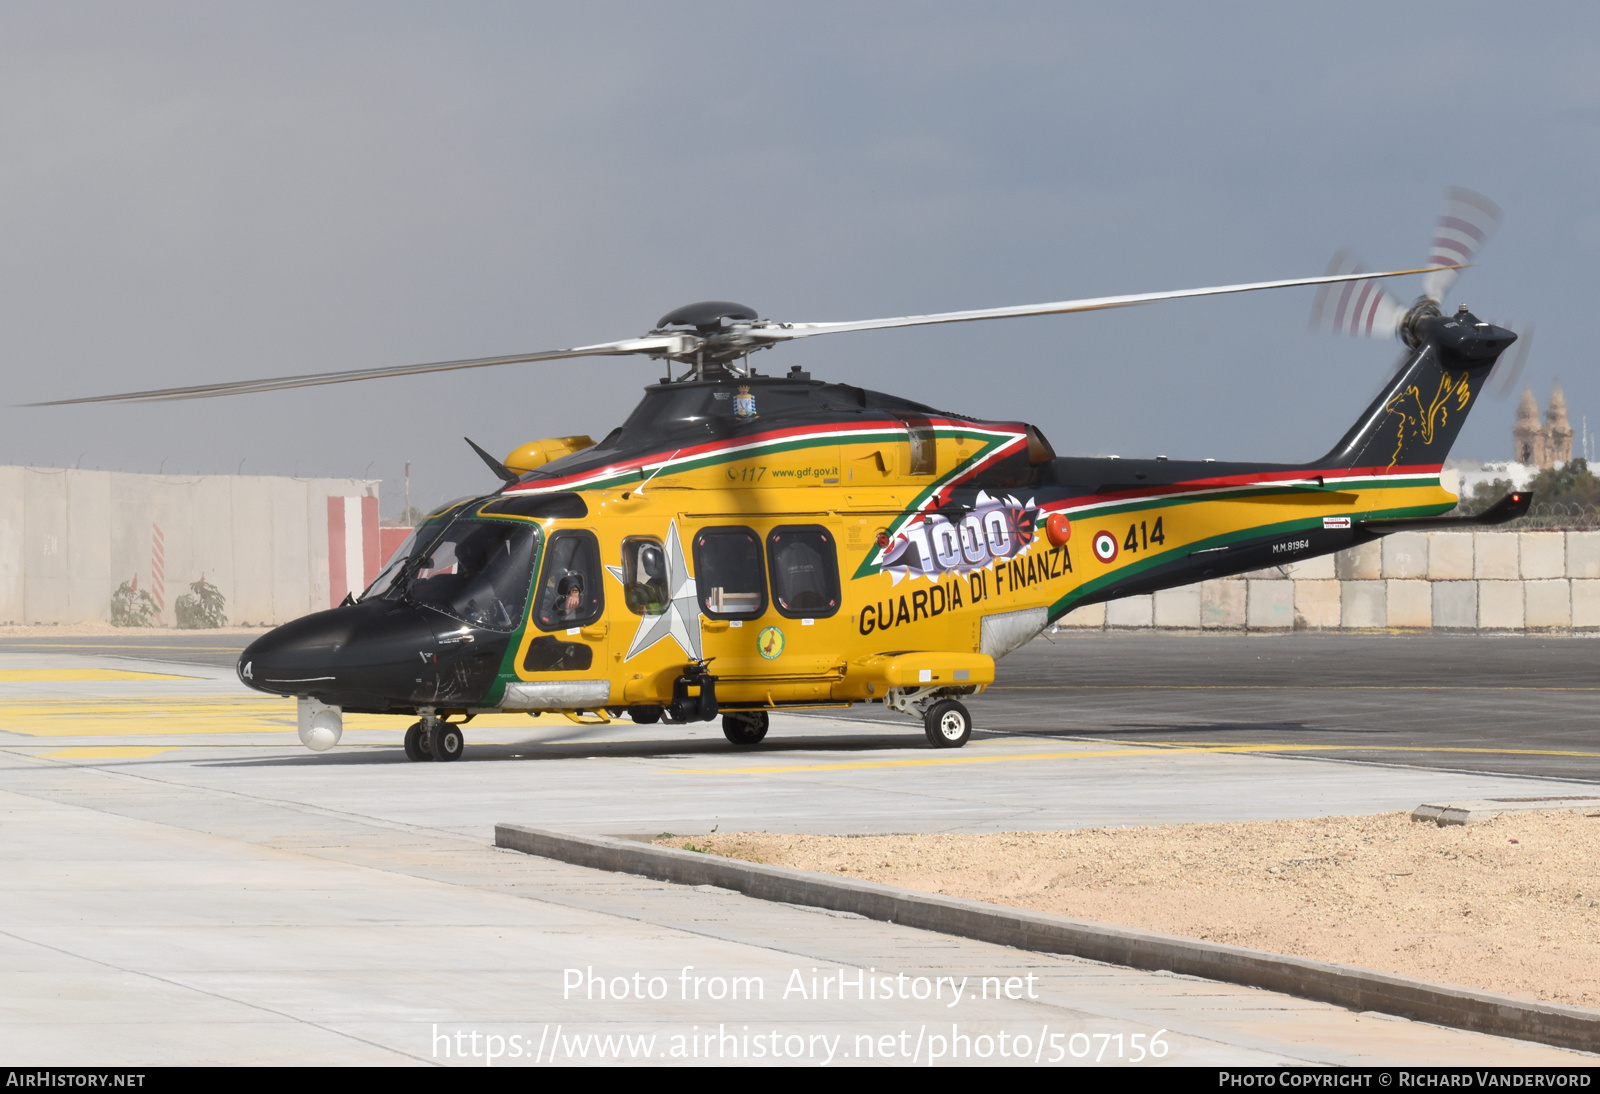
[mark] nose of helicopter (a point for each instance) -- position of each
(375, 655)
(302, 657)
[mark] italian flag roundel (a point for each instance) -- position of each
(1105, 546)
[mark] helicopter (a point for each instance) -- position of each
(746, 543)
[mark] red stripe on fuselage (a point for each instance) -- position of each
(713, 447)
(1263, 479)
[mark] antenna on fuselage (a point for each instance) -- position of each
(505, 473)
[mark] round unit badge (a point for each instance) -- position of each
(769, 643)
(1105, 546)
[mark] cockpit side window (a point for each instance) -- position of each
(805, 571)
(644, 575)
(570, 593)
(729, 573)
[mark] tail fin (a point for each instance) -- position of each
(1416, 418)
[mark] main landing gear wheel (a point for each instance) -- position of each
(417, 744)
(445, 742)
(948, 724)
(645, 715)
(746, 727)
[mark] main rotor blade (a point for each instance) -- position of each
(679, 345)
(665, 344)
(785, 331)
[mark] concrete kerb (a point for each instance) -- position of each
(1341, 985)
(1479, 810)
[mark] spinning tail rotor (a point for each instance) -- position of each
(1360, 309)
(1365, 309)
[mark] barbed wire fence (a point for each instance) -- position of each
(1543, 516)
(1557, 516)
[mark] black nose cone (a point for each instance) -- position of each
(377, 655)
(300, 658)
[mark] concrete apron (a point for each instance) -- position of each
(1341, 985)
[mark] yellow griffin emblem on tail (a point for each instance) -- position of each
(1430, 415)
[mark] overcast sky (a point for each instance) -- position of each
(193, 193)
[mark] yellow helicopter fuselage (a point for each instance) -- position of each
(929, 623)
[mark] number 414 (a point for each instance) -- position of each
(1139, 538)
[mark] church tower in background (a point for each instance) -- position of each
(1542, 445)
(1557, 430)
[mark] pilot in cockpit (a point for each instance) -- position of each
(569, 596)
(647, 594)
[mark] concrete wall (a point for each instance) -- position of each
(1469, 581)
(69, 538)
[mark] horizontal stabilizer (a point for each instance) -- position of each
(1507, 508)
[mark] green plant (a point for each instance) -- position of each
(1570, 483)
(1563, 497)
(1485, 494)
(201, 608)
(131, 606)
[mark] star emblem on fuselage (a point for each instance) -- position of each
(681, 620)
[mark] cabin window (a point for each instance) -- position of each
(924, 444)
(548, 653)
(570, 593)
(644, 576)
(729, 573)
(805, 571)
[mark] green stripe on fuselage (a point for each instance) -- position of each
(1227, 539)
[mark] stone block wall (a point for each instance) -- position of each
(1464, 581)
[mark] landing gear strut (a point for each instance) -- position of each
(745, 727)
(433, 738)
(417, 744)
(947, 724)
(945, 720)
(445, 741)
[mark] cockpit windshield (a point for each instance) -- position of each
(476, 570)
(397, 562)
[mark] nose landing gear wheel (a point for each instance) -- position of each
(948, 724)
(445, 742)
(745, 727)
(417, 744)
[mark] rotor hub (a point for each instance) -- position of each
(1424, 307)
(723, 333)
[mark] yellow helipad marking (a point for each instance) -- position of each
(161, 716)
(36, 676)
(167, 715)
(1223, 747)
(105, 752)
(923, 761)
(1282, 687)
(1152, 749)
(103, 646)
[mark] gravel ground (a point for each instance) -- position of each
(1512, 905)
